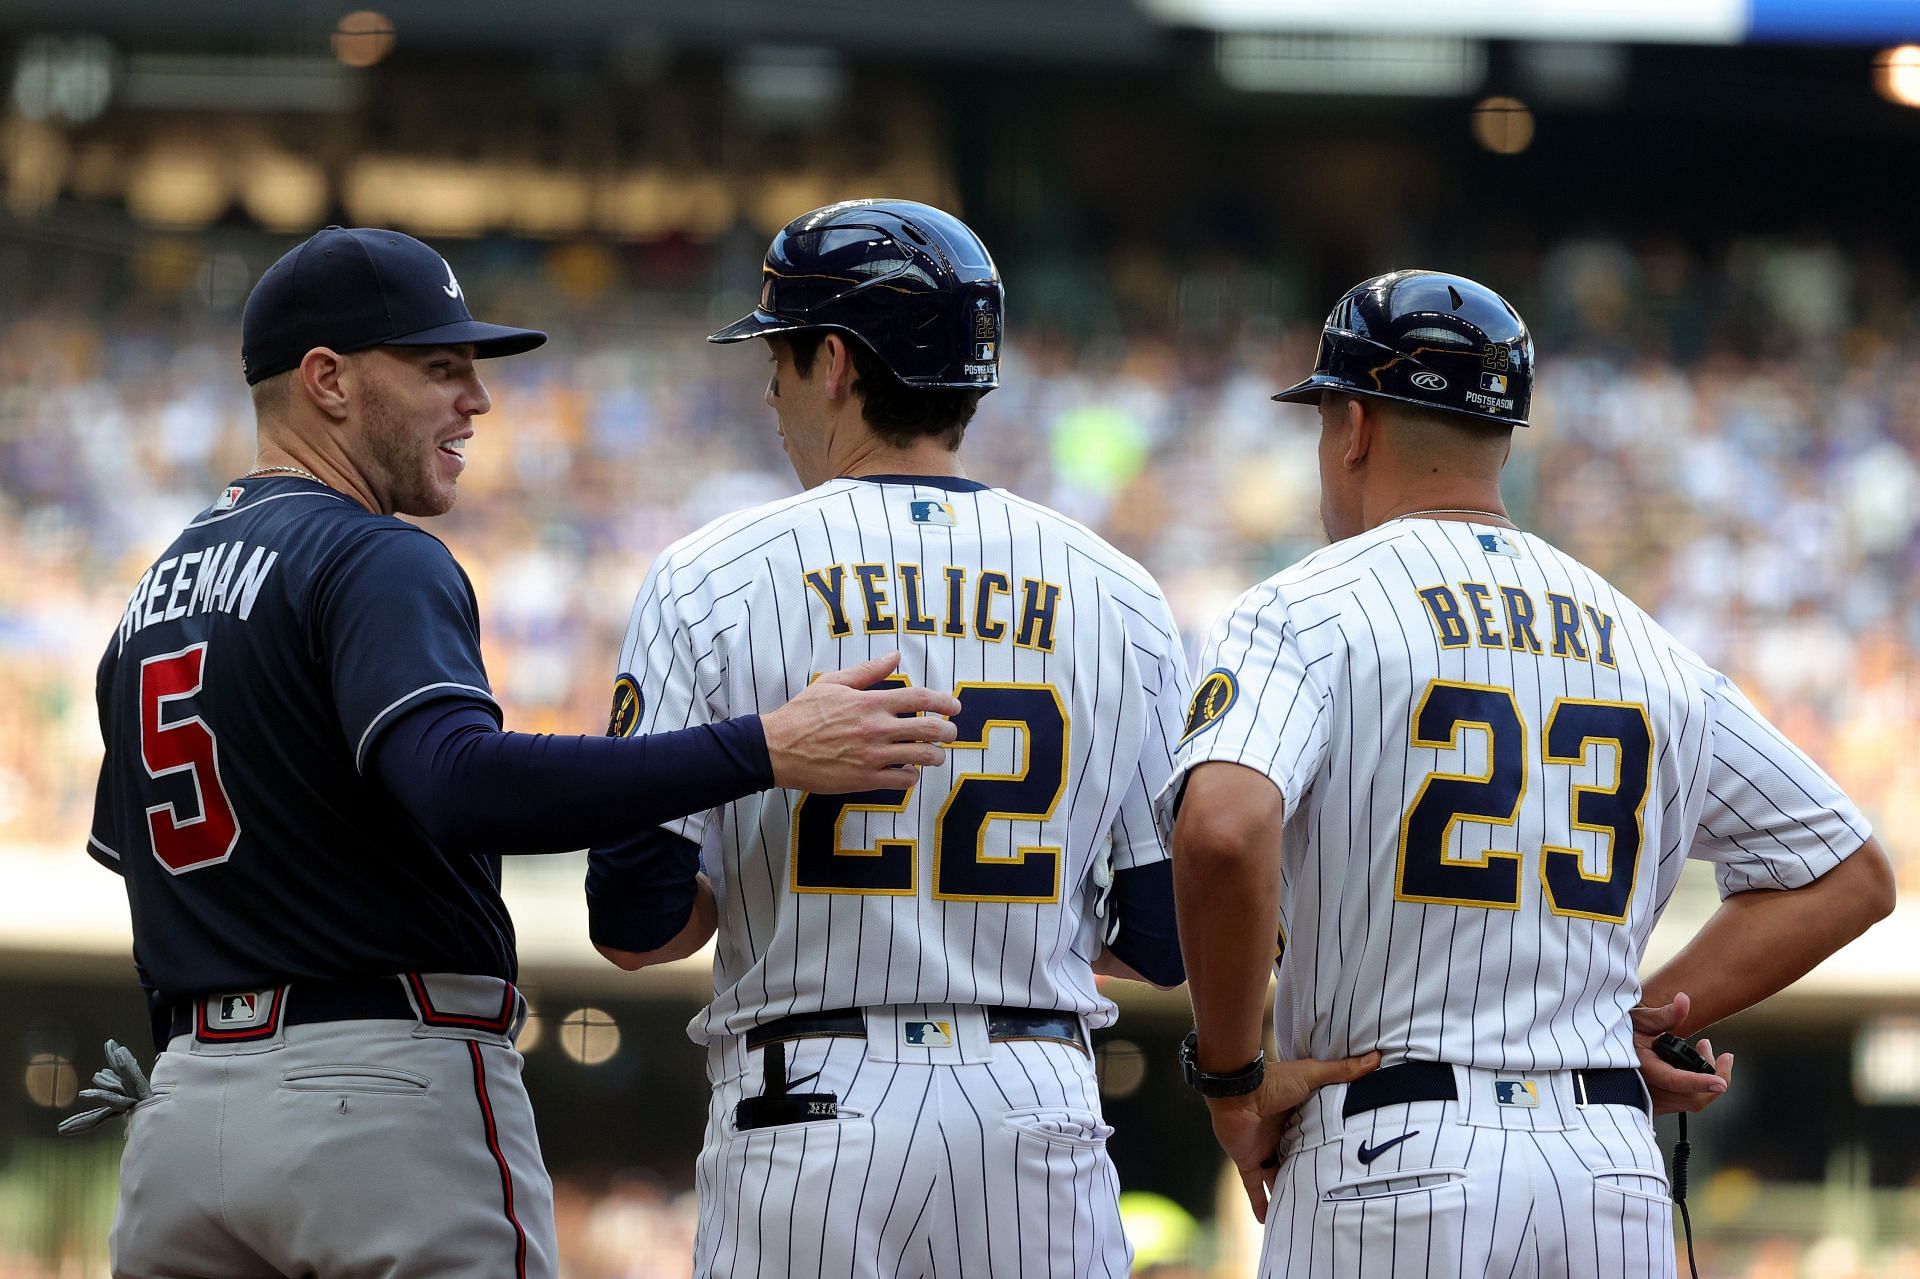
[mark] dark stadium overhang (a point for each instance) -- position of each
(1101, 31)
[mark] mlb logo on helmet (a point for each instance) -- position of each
(927, 1034)
(1494, 383)
(1516, 1092)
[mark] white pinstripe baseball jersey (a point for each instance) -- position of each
(978, 886)
(1493, 766)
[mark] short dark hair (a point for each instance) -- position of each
(898, 413)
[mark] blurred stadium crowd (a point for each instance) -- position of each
(1733, 436)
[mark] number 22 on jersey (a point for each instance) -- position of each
(1575, 727)
(962, 869)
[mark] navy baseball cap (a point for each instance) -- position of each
(350, 288)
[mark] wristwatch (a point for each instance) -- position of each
(1235, 1083)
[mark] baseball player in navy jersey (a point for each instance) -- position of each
(1451, 775)
(904, 984)
(306, 789)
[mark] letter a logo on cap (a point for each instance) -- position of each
(452, 287)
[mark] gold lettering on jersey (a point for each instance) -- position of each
(1038, 601)
(1467, 615)
(875, 596)
(956, 623)
(1444, 611)
(826, 583)
(913, 620)
(977, 609)
(984, 625)
(1520, 633)
(1479, 594)
(1602, 635)
(204, 581)
(1566, 627)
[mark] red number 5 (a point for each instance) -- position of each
(183, 844)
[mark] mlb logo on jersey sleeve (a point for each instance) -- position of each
(229, 499)
(931, 512)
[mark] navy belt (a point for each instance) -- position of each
(307, 1003)
(1433, 1081)
(1003, 1025)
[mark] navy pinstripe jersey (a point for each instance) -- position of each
(978, 886)
(254, 664)
(1494, 765)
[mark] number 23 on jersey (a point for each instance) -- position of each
(1575, 728)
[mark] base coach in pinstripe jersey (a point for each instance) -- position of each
(1442, 778)
(307, 791)
(904, 984)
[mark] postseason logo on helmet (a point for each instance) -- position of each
(1492, 395)
(986, 341)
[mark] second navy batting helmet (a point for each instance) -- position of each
(913, 283)
(1426, 338)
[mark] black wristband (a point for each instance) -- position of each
(1235, 1083)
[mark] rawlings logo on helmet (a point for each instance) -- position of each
(1427, 380)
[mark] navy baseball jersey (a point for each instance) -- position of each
(251, 672)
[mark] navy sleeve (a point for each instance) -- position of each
(1149, 939)
(472, 788)
(640, 890)
(103, 839)
(102, 842)
(397, 626)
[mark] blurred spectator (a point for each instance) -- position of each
(1735, 439)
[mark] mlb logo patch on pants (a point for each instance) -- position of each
(1516, 1092)
(927, 1034)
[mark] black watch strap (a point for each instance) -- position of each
(1235, 1083)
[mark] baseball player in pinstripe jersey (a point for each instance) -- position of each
(1456, 774)
(904, 985)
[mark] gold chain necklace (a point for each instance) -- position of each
(1458, 510)
(287, 470)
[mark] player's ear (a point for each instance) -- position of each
(1360, 423)
(320, 378)
(839, 371)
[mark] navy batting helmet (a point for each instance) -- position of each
(1426, 338)
(913, 283)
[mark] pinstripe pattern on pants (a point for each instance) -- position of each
(1473, 1190)
(988, 1163)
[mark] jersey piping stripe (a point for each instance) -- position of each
(500, 1159)
(95, 843)
(250, 506)
(360, 751)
